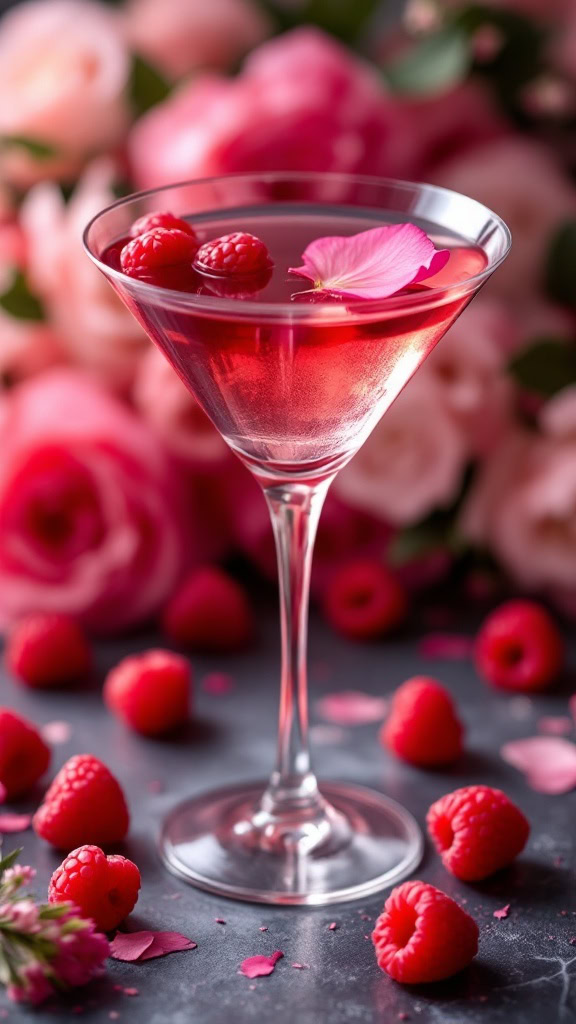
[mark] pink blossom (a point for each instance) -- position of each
(19, 875)
(21, 915)
(63, 73)
(34, 987)
(81, 954)
(302, 102)
(522, 182)
(97, 330)
(89, 511)
(412, 463)
(181, 36)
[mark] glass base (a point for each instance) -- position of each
(215, 841)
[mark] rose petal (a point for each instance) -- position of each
(129, 946)
(555, 725)
(549, 762)
(351, 707)
(502, 913)
(301, 967)
(372, 264)
(56, 732)
(167, 942)
(260, 966)
(451, 646)
(14, 822)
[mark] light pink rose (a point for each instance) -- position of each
(469, 365)
(89, 511)
(522, 182)
(99, 332)
(63, 74)
(181, 36)
(413, 461)
(302, 102)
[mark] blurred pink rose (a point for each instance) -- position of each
(89, 520)
(413, 461)
(63, 73)
(181, 36)
(173, 412)
(302, 102)
(469, 365)
(99, 332)
(521, 181)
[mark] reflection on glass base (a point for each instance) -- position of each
(209, 842)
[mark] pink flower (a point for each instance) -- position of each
(81, 954)
(98, 331)
(22, 915)
(521, 182)
(302, 102)
(34, 987)
(412, 463)
(63, 73)
(181, 36)
(89, 515)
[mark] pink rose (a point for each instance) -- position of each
(413, 461)
(521, 181)
(63, 74)
(99, 332)
(302, 102)
(181, 36)
(89, 513)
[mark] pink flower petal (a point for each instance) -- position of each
(260, 966)
(14, 822)
(372, 264)
(131, 991)
(167, 942)
(218, 684)
(555, 725)
(129, 946)
(301, 967)
(56, 732)
(502, 913)
(351, 707)
(451, 646)
(549, 762)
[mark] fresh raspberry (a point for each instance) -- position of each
(210, 612)
(103, 888)
(24, 756)
(422, 935)
(161, 247)
(423, 726)
(237, 253)
(519, 647)
(150, 692)
(477, 830)
(364, 600)
(46, 650)
(160, 219)
(84, 804)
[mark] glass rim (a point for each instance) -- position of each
(292, 310)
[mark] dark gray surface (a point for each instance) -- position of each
(526, 968)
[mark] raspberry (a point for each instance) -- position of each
(477, 830)
(103, 888)
(160, 219)
(24, 756)
(161, 247)
(422, 935)
(210, 612)
(519, 647)
(364, 600)
(423, 727)
(46, 650)
(84, 804)
(150, 692)
(237, 253)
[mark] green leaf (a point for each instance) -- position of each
(435, 64)
(147, 85)
(343, 18)
(548, 366)
(561, 265)
(9, 860)
(37, 149)
(19, 301)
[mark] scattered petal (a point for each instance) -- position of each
(56, 732)
(555, 725)
(351, 707)
(220, 920)
(332, 927)
(129, 946)
(549, 762)
(218, 684)
(131, 991)
(502, 913)
(260, 966)
(165, 943)
(301, 967)
(372, 264)
(14, 822)
(263, 928)
(325, 735)
(450, 646)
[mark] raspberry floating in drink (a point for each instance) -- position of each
(158, 248)
(160, 219)
(236, 253)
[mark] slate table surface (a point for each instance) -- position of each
(525, 972)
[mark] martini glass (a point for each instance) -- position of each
(295, 386)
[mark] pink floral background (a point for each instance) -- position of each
(112, 481)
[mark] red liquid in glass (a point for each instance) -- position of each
(296, 394)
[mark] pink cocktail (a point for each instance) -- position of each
(295, 379)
